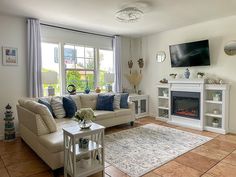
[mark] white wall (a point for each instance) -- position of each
(219, 32)
(12, 78)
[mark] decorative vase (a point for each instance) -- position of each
(98, 90)
(87, 89)
(85, 124)
(186, 73)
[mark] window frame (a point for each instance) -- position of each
(63, 69)
(75, 69)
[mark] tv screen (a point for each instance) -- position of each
(190, 54)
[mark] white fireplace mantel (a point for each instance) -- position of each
(207, 104)
(187, 81)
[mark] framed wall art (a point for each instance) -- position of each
(9, 56)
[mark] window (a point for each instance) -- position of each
(50, 68)
(106, 65)
(79, 66)
(87, 66)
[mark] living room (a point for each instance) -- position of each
(162, 25)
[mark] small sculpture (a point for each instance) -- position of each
(71, 89)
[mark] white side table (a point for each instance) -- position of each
(74, 163)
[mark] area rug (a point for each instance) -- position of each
(139, 150)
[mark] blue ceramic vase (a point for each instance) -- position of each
(87, 89)
(186, 74)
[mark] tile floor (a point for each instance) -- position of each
(216, 158)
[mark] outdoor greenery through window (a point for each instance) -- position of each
(83, 66)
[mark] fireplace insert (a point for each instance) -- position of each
(185, 104)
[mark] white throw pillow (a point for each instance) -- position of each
(57, 107)
(116, 102)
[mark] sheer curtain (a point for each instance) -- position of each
(34, 58)
(118, 64)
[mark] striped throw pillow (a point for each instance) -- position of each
(57, 107)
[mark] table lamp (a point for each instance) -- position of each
(109, 79)
(50, 77)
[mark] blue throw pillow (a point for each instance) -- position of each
(46, 103)
(105, 102)
(124, 100)
(69, 106)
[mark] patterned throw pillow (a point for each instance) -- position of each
(124, 100)
(116, 103)
(57, 107)
(69, 106)
(105, 102)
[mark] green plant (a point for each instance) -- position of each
(215, 120)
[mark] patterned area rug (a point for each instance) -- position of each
(139, 150)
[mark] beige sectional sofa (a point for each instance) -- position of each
(44, 134)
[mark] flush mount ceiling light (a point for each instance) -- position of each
(129, 15)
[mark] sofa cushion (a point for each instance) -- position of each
(88, 100)
(54, 141)
(42, 110)
(46, 103)
(124, 100)
(100, 115)
(69, 106)
(76, 99)
(57, 107)
(105, 102)
(122, 112)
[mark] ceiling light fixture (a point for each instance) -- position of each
(129, 15)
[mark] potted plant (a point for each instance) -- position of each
(85, 116)
(200, 74)
(215, 122)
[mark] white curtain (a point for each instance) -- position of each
(34, 58)
(118, 64)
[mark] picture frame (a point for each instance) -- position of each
(9, 56)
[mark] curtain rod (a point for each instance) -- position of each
(60, 27)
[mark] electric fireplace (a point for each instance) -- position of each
(185, 104)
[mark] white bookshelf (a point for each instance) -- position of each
(216, 108)
(163, 104)
(212, 108)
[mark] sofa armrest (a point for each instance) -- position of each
(32, 121)
(132, 107)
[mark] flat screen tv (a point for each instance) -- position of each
(190, 54)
